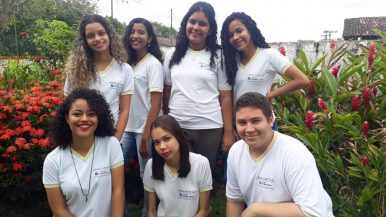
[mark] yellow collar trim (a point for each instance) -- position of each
(258, 159)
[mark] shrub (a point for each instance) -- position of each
(341, 118)
(29, 97)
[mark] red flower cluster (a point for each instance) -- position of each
(332, 45)
(24, 120)
(365, 160)
(22, 34)
(366, 96)
(309, 120)
(321, 104)
(311, 88)
(365, 128)
(371, 55)
(335, 71)
(355, 102)
(282, 49)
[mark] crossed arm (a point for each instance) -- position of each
(236, 209)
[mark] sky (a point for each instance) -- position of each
(278, 20)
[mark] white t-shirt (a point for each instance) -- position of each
(148, 77)
(59, 172)
(115, 81)
(194, 98)
(180, 197)
(259, 73)
(285, 172)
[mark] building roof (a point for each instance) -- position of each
(166, 42)
(362, 27)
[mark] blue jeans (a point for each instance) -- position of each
(130, 147)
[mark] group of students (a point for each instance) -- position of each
(112, 109)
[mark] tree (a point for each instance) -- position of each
(53, 40)
(164, 31)
(7, 7)
(22, 20)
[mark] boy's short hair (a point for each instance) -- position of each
(254, 100)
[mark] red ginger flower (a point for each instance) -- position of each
(375, 91)
(282, 105)
(371, 55)
(282, 49)
(311, 88)
(335, 71)
(308, 120)
(366, 96)
(365, 128)
(322, 105)
(365, 160)
(355, 103)
(332, 45)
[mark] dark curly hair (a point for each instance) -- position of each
(60, 133)
(229, 51)
(169, 124)
(182, 41)
(154, 48)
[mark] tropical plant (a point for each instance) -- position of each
(341, 119)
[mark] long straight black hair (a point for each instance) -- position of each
(169, 124)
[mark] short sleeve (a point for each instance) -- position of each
(116, 155)
(222, 80)
(205, 175)
(279, 62)
(156, 77)
(233, 191)
(128, 85)
(148, 181)
(168, 78)
(51, 172)
(304, 183)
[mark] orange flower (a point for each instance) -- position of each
(17, 166)
(11, 149)
(3, 168)
(7, 108)
(42, 118)
(20, 142)
(53, 114)
(38, 132)
(44, 143)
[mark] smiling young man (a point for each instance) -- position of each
(272, 173)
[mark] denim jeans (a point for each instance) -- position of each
(130, 147)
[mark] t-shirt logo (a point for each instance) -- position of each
(264, 182)
(115, 85)
(186, 194)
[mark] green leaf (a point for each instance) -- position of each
(317, 62)
(345, 75)
(331, 82)
(303, 56)
(300, 66)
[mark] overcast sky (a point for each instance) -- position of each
(278, 20)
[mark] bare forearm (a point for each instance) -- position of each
(155, 108)
(273, 210)
(166, 98)
(234, 209)
(117, 203)
(62, 213)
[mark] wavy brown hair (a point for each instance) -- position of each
(80, 68)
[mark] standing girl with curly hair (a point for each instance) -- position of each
(200, 97)
(250, 64)
(98, 61)
(145, 57)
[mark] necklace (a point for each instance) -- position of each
(76, 171)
